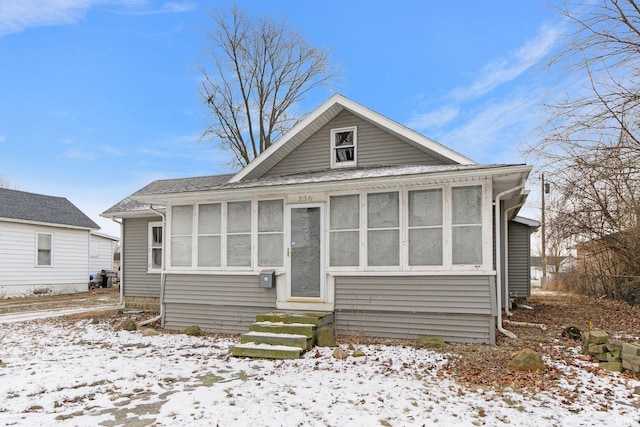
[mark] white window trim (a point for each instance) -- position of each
(196, 236)
(361, 249)
(256, 233)
(350, 164)
(37, 249)
(150, 227)
(487, 250)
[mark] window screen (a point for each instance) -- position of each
(383, 220)
(344, 222)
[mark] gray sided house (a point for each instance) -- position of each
(46, 244)
(350, 213)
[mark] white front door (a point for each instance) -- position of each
(305, 260)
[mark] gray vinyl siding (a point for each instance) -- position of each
(136, 281)
(519, 260)
(458, 308)
(216, 303)
(375, 147)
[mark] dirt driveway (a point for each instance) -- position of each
(94, 298)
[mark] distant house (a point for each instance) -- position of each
(350, 213)
(47, 245)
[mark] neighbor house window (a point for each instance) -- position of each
(155, 246)
(383, 229)
(425, 227)
(343, 147)
(239, 234)
(270, 233)
(44, 243)
(466, 212)
(344, 224)
(181, 235)
(209, 235)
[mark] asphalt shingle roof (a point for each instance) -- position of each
(25, 206)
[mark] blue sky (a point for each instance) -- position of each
(100, 97)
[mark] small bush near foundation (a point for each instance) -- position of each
(193, 331)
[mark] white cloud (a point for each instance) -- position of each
(504, 70)
(433, 119)
(18, 15)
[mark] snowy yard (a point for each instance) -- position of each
(79, 372)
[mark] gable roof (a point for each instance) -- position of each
(321, 116)
(30, 207)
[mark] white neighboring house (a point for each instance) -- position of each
(101, 251)
(45, 245)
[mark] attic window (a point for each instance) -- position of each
(343, 147)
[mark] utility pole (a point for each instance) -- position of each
(543, 256)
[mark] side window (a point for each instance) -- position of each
(155, 246)
(44, 249)
(344, 223)
(344, 147)
(209, 235)
(239, 234)
(270, 233)
(425, 227)
(466, 222)
(383, 229)
(181, 234)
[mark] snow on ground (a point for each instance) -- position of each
(84, 373)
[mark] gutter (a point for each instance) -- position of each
(506, 256)
(121, 284)
(162, 273)
(497, 221)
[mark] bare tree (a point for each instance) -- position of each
(590, 143)
(260, 70)
(5, 183)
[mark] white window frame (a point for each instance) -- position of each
(344, 164)
(197, 235)
(256, 233)
(150, 247)
(446, 252)
(37, 261)
(361, 243)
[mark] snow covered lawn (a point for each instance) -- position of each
(83, 373)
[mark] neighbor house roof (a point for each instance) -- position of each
(21, 206)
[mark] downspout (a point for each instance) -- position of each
(120, 285)
(162, 275)
(497, 220)
(506, 256)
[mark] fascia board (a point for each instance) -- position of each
(46, 224)
(315, 187)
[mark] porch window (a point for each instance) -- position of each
(425, 227)
(154, 261)
(466, 206)
(270, 233)
(344, 223)
(239, 234)
(209, 238)
(181, 232)
(343, 147)
(383, 229)
(44, 249)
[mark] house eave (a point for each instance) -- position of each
(517, 173)
(47, 224)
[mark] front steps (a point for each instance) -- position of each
(281, 335)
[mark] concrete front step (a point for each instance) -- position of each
(266, 351)
(284, 328)
(291, 340)
(316, 318)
